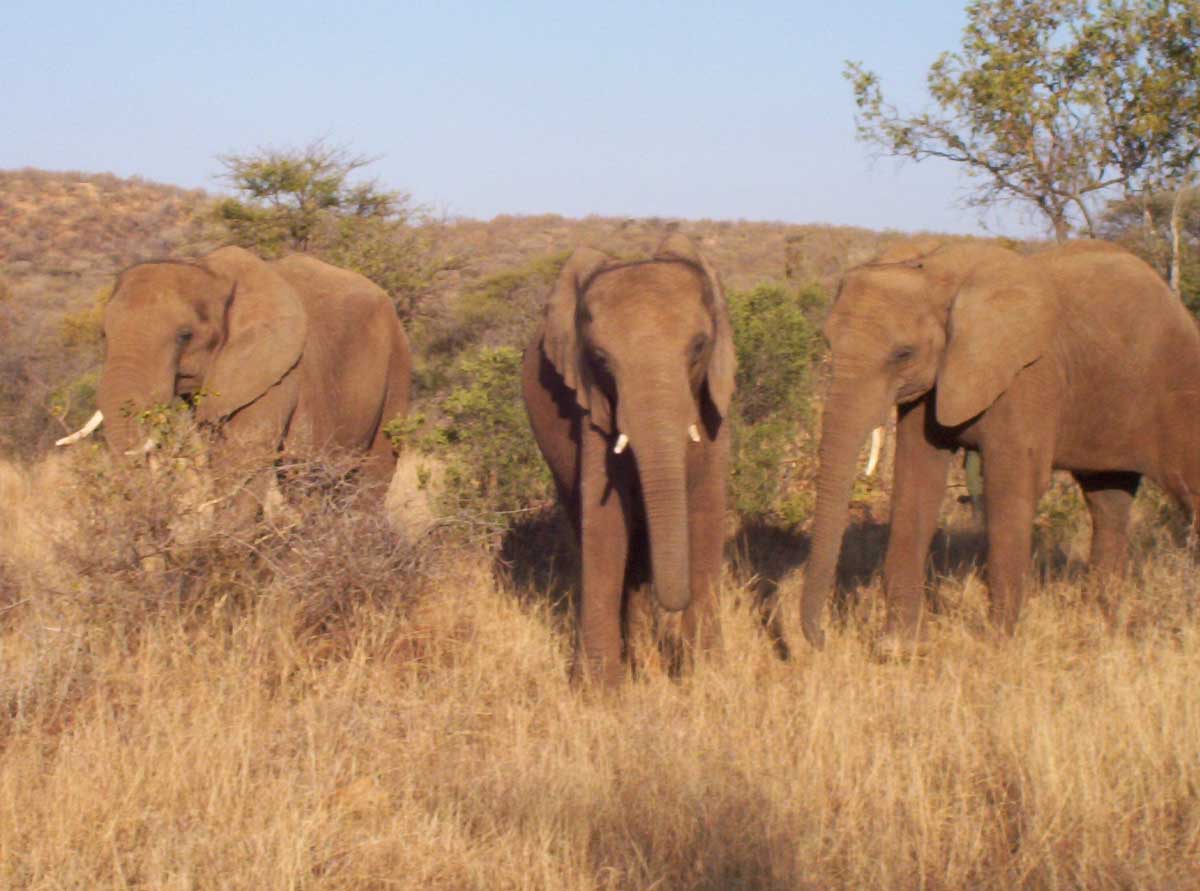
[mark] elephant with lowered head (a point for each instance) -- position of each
(1077, 358)
(293, 353)
(627, 384)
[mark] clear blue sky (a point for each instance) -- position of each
(726, 111)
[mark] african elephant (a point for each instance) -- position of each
(292, 352)
(627, 383)
(1078, 358)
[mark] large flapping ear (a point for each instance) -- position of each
(994, 331)
(560, 339)
(265, 328)
(722, 364)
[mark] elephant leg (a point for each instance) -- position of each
(918, 489)
(604, 551)
(379, 464)
(250, 448)
(1015, 479)
(1109, 498)
(706, 534)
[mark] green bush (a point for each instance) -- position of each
(480, 430)
(777, 343)
(500, 310)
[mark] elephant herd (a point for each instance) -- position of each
(1077, 358)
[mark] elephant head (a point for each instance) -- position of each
(647, 349)
(227, 325)
(958, 320)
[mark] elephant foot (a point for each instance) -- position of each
(814, 634)
(900, 645)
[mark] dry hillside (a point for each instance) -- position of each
(63, 236)
(66, 233)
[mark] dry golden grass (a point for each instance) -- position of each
(342, 712)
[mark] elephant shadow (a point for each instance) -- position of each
(538, 561)
(768, 557)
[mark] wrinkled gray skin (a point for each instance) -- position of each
(293, 353)
(641, 350)
(1078, 358)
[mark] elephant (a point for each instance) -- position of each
(292, 353)
(1077, 358)
(627, 383)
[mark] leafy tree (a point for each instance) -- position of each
(1054, 103)
(306, 200)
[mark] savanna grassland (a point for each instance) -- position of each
(321, 702)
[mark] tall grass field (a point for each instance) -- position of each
(316, 703)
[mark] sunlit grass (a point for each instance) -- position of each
(358, 715)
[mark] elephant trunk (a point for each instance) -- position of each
(660, 449)
(126, 389)
(851, 411)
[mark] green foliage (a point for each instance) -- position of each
(777, 344)
(304, 200)
(499, 310)
(481, 431)
(1055, 103)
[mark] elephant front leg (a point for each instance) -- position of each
(604, 551)
(1012, 485)
(918, 489)
(706, 534)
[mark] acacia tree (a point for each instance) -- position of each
(1054, 103)
(307, 200)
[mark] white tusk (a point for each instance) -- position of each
(876, 448)
(622, 441)
(693, 433)
(83, 432)
(147, 446)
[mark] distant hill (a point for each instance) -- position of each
(64, 235)
(745, 253)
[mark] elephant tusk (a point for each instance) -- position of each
(83, 432)
(622, 441)
(876, 448)
(147, 446)
(694, 433)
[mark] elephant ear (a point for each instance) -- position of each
(265, 329)
(560, 339)
(993, 332)
(722, 364)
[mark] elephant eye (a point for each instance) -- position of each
(184, 336)
(696, 347)
(902, 354)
